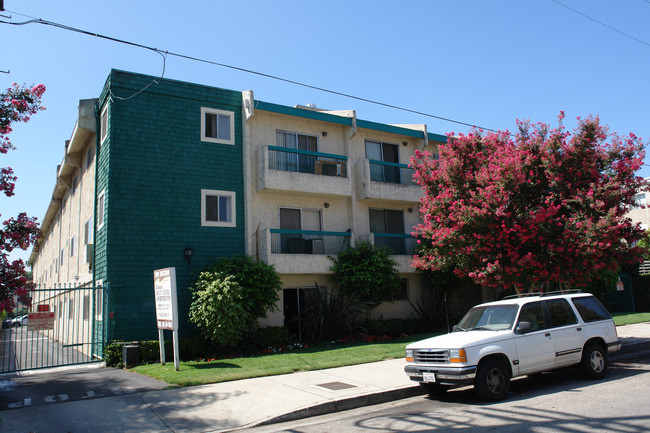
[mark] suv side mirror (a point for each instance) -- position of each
(453, 329)
(523, 327)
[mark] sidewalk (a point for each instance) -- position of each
(244, 403)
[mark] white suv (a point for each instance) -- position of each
(520, 336)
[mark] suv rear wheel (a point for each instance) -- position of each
(492, 381)
(594, 361)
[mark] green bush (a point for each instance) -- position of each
(274, 336)
(113, 354)
(366, 273)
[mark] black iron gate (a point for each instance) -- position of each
(64, 325)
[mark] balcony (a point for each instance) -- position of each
(302, 171)
(280, 247)
(387, 181)
(401, 246)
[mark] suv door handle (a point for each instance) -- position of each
(578, 329)
(548, 334)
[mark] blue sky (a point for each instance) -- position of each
(485, 63)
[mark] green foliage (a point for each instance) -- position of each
(113, 354)
(218, 308)
(331, 316)
(259, 281)
(366, 273)
(273, 336)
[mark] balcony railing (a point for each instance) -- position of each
(308, 242)
(305, 161)
(397, 243)
(391, 172)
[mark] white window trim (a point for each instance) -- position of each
(101, 211)
(233, 207)
(103, 124)
(230, 114)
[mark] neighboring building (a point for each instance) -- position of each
(640, 213)
(150, 173)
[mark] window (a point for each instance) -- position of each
(101, 201)
(71, 309)
(217, 208)
(62, 258)
(561, 313)
(88, 232)
(217, 126)
(385, 152)
(73, 245)
(86, 309)
(293, 161)
(103, 124)
(388, 222)
(590, 309)
(75, 184)
(90, 155)
(533, 313)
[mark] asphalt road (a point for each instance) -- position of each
(58, 386)
(555, 401)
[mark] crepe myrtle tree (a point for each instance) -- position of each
(539, 208)
(17, 104)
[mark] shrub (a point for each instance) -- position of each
(366, 272)
(218, 309)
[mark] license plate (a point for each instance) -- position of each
(428, 377)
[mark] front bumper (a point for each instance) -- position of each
(453, 376)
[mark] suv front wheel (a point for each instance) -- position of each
(594, 361)
(492, 381)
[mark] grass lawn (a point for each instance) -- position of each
(629, 318)
(311, 358)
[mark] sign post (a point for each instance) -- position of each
(166, 309)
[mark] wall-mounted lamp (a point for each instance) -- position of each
(405, 143)
(410, 210)
(187, 252)
(324, 133)
(326, 204)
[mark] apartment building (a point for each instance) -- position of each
(157, 170)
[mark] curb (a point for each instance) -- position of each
(346, 404)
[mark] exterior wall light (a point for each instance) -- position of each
(187, 252)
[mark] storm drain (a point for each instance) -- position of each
(336, 386)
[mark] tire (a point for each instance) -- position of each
(434, 389)
(594, 361)
(492, 381)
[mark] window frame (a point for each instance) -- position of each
(103, 124)
(233, 208)
(101, 209)
(217, 112)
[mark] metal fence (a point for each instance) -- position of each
(304, 161)
(308, 242)
(396, 243)
(391, 172)
(65, 325)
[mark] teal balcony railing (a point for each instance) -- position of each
(308, 242)
(391, 172)
(305, 161)
(397, 243)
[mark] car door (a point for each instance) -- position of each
(566, 332)
(535, 348)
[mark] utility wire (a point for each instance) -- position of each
(602, 23)
(249, 71)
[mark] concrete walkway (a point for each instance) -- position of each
(244, 403)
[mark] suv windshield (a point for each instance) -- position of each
(491, 317)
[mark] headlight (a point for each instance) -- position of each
(457, 355)
(409, 355)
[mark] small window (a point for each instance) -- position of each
(217, 126)
(75, 184)
(86, 310)
(103, 124)
(101, 200)
(88, 232)
(62, 258)
(561, 313)
(73, 245)
(590, 309)
(71, 309)
(90, 155)
(218, 208)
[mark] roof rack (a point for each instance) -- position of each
(542, 294)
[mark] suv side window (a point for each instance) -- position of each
(533, 313)
(590, 309)
(561, 313)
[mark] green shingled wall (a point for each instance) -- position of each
(152, 167)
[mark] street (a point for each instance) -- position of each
(556, 401)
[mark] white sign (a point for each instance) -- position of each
(165, 292)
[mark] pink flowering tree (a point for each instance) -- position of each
(543, 208)
(17, 104)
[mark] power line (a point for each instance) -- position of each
(602, 23)
(237, 68)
